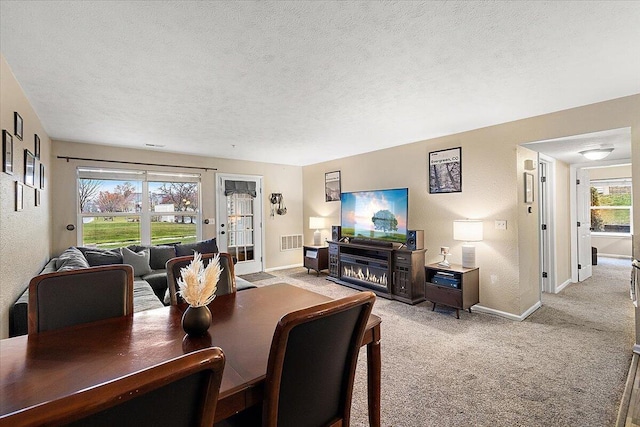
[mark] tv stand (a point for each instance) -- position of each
(370, 242)
(390, 273)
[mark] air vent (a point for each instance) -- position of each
(289, 243)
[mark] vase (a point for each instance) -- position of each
(196, 320)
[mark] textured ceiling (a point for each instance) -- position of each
(302, 82)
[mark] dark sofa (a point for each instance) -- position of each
(148, 262)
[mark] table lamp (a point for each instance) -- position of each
(316, 223)
(468, 230)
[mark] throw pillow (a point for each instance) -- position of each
(138, 260)
(186, 249)
(159, 255)
(207, 246)
(71, 259)
(97, 257)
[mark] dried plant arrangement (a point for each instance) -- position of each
(198, 284)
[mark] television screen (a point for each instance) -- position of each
(379, 214)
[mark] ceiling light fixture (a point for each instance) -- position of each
(597, 153)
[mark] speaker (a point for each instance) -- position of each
(415, 239)
(336, 233)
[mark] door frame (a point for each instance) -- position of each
(221, 207)
(548, 205)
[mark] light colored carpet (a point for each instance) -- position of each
(563, 366)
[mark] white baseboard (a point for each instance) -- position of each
(510, 316)
(615, 256)
(283, 267)
(562, 286)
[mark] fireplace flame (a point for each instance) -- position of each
(367, 276)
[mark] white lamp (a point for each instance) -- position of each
(316, 223)
(468, 230)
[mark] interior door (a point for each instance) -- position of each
(239, 220)
(544, 229)
(583, 205)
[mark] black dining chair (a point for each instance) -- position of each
(179, 392)
(311, 367)
(67, 298)
(226, 283)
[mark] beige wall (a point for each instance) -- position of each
(277, 178)
(25, 236)
(492, 168)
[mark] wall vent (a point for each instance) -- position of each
(291, 242)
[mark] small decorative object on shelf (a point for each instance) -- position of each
(198, 288)
(444, 251)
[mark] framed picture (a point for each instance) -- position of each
(29, 168)
(7, 152)
(36, 146)
(37, 199)
(528, 188)
(19, 196)
(41, 176)
(332, 186)
(445, 171)
(17, 125)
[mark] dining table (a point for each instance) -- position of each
(38, 369)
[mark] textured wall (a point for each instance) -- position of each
(492, 184)
(25, 235)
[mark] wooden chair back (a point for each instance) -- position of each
(226, 284)
(312, 363)
(67, 298)
(180, 392)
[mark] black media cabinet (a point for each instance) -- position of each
(389, 272)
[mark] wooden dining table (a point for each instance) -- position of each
(40, 368)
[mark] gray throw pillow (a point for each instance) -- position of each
(71, 259)
(186, 249)
(159, 255)
(97, 257)
(207, 246)
(138, 260)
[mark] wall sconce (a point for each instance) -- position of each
(468, 230)
(317, 223)
(596, 153)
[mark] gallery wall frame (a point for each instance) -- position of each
(37, 197)
(29, 168)
(19, 196)
(7, 152)
(528, 188)
(18, 126)
(41, 176)
(332, 187)
(36, 145)
(445, 171)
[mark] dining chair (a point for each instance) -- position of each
(67, 298)
(180, 392)
(226, 283)
(311, 366)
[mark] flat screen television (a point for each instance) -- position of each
(377, 215)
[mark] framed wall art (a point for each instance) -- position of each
(332, 186)
(17, 125)
(528, 188)
(36, 146)
(41, 176)
(445, 171)
(37, 199)
(7, 152)
(29, 168)
(19, 196)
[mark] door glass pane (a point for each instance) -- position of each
(240, 230)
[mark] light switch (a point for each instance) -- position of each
(501, 224)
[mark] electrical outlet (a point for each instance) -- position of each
(501, 224)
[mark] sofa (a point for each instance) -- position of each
(149, 266)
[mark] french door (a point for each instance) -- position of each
(239, 220)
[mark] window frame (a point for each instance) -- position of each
(144, 177)
(624, 180)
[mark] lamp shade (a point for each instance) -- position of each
(316, 222)
(467, 230)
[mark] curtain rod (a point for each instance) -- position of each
(135, 163)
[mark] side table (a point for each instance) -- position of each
(316, 258)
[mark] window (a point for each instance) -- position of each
(123, 207)
(611, 206)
